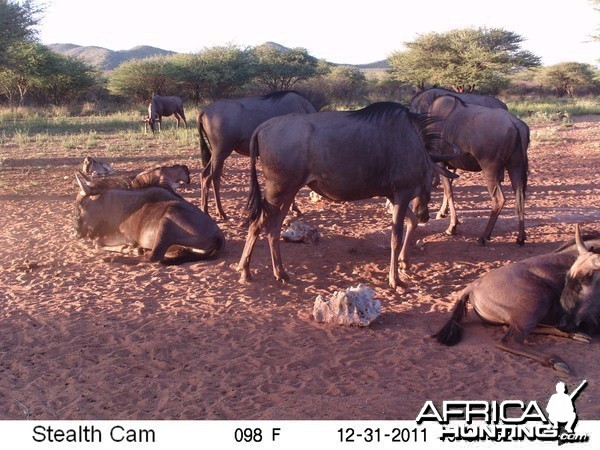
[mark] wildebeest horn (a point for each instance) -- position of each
(444, 172)
(581, 248)
(84, 176)
(85, 188)
(443, 158)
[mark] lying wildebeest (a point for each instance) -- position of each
(227, 125)
(492, 140)
(423, 100)
(551, 294)
(153, 218)
(94, 167)
(343, 156)
(170, 176)
(161, 107)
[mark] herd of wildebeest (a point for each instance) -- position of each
(383, 150)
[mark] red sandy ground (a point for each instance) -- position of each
(81, 338)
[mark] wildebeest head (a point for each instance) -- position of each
(581, 296)
(87, 221)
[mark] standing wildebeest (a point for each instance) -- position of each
(227, 125)
(491, 140)
(342, 156)
(535, 295)
(153, 218)
(170, 176)
(162, 107)
(422, 101)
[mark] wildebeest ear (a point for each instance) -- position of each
(444, 172)
(85, 189)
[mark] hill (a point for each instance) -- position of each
(105, 59)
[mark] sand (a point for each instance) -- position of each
(82, 338)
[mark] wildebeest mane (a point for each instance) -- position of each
(277, 95)
(378, 111)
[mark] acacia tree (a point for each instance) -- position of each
(462, 59)
(281, 68)
(213, 73)
(17, 22)
(566, 78)
(139, 79)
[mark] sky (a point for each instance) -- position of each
(340, 31)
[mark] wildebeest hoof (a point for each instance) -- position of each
(451, 231)
(581, 337)
(439, 216)
(283, 278)
(561, 366)
(481, 242)
(520, 242)
(245, 279)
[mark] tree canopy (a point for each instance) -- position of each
(462, 59)
(566, 78)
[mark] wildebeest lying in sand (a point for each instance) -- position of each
(342, 156)
(170, 176)
(492, 140)
(227, 125)
(161, 107)
(153, 218)
(94, 167)
(554, 294)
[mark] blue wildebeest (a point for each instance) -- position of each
(423, 100)
(343, 156)
(153, 218)
(555, 293)
(161, 107)
(227, 125)
(492, 140)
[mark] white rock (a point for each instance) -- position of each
(297, 231)
(355, 306)
(314, 197)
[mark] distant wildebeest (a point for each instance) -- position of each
(551, 294)
(492, 140)
(342, 156)
(171, 176)
(152, 218)
(94, 167)
(163, 107)
(227, 125)
(423, 100)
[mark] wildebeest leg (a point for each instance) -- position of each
(273, 223)
(513, 342)
(244, 264)
(212, 175)
(495, 190)
(411, 224)
(449, 199)
(400, 207)
(516, 178)
(553, 331)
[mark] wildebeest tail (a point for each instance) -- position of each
(205, 152)
(451, 333)
(254, 205)
(523, 142)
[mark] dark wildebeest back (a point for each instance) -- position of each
(227, 125)
(423, 100)
(343, 156)
(153, 218)
(560, 289)
(160, 107)
(492, 140)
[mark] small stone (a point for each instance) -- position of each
(355, 306)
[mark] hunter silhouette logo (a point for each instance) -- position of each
(508, 420)
(561, 410)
